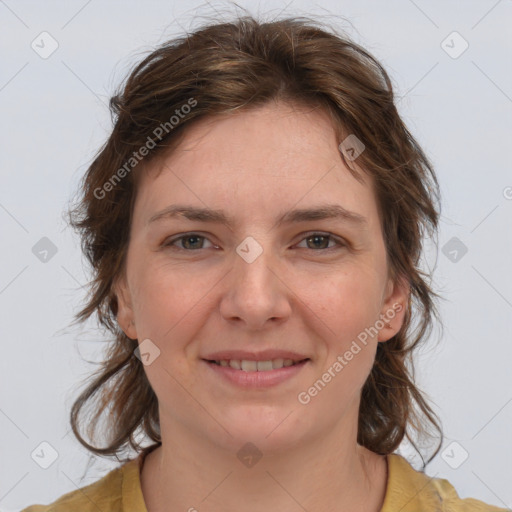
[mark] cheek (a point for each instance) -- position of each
(169, 299)
(169, 310)
(348, 302)
(349, 306)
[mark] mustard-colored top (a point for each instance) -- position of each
(407, 490)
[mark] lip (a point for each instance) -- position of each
(264, 355)
(256, 379)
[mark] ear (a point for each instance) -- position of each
(125, 314)
(394, 307)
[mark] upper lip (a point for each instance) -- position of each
(265, 355)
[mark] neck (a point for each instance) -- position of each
(333, 472)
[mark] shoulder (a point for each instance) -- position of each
(107, 494)
(410, 490)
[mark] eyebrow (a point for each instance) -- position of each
(327, 211)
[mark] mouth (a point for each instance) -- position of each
(256, 366)
(256, 375)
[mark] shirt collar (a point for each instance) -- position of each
(408, 490)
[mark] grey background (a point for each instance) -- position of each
(54, 117)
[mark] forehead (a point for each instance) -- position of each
(277, 154)
(278, 129)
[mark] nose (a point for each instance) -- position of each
(256, 294)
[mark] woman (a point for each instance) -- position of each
(254, 224)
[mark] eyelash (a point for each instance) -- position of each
(169, 243)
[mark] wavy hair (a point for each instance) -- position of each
(227, 67)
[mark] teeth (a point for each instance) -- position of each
(264, 366)
(249, 366)
(277, 363)
(260, 366)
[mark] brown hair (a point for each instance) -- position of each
(227, 67)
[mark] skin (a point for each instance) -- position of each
(197, 296)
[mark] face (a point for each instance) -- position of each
(314, 286)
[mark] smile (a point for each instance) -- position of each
(257, 366)
(255, 374)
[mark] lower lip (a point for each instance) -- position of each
(255, 379)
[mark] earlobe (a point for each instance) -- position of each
(125, 316)
(394, 308)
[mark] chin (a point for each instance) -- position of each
(273, 430)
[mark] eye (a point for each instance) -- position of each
(195, 241)
(188, 242)
(319, 241)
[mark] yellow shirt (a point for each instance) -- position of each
(407, 490)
